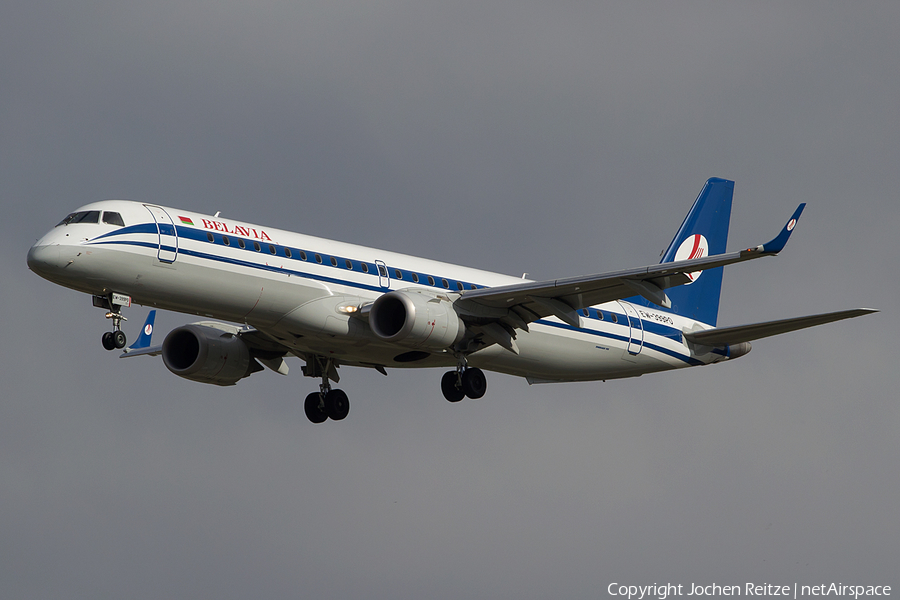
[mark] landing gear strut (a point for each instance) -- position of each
(327, 403)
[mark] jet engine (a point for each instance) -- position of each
(208, 355)
(416, 320)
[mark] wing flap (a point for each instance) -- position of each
(727, 336)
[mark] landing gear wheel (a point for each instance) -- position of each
(108, 342)
(448, 386)
(315, 412)
(474, 383)
(119, 339)
(337, 405)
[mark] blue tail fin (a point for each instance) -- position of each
(703, 233)
(143, 340)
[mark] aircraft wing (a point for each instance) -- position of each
(562, 298)
(726, 336)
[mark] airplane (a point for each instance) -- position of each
(334, 304)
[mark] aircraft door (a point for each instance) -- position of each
(168, 236)
(635, 328)
(384, 278)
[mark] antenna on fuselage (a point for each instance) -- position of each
(216, 216)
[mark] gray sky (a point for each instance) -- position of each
(554, 138)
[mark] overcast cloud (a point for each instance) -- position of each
(556, 139)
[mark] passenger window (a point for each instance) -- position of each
(113, 218)
(415, 278)
(365, 268)
(445, 283)
(430, 280)
(459, 286)
(287, 252)
(613, 317)
(382, 271)
(333, 261)
(256, 246)
(302, 255)
(271, 249)
(210, 237)
(318, 259)
(241, 243)
(348, 264)
(225, 240)
(398, 274)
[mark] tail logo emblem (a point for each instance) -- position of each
(791, 223)
(148, 329)
(693, 247)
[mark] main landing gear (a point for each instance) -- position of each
(330, 404)
(333, 404)
(326, 403)
(462, 382)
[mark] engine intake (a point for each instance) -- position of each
(207, 355)
(416, 320)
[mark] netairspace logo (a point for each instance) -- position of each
(795, 591)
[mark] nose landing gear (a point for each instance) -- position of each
(114, 339)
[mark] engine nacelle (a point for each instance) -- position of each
(207, 355)
(416, 320)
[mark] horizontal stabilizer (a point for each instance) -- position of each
(727, 336)
(150, 351)
(142, 345)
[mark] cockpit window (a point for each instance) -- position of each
(113, 218)
(85, 216)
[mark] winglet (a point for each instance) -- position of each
(777, 245)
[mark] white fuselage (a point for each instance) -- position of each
(295, 287)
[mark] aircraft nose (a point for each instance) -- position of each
(43, 259)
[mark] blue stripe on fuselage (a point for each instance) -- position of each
(650, 327)
(626, 339)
